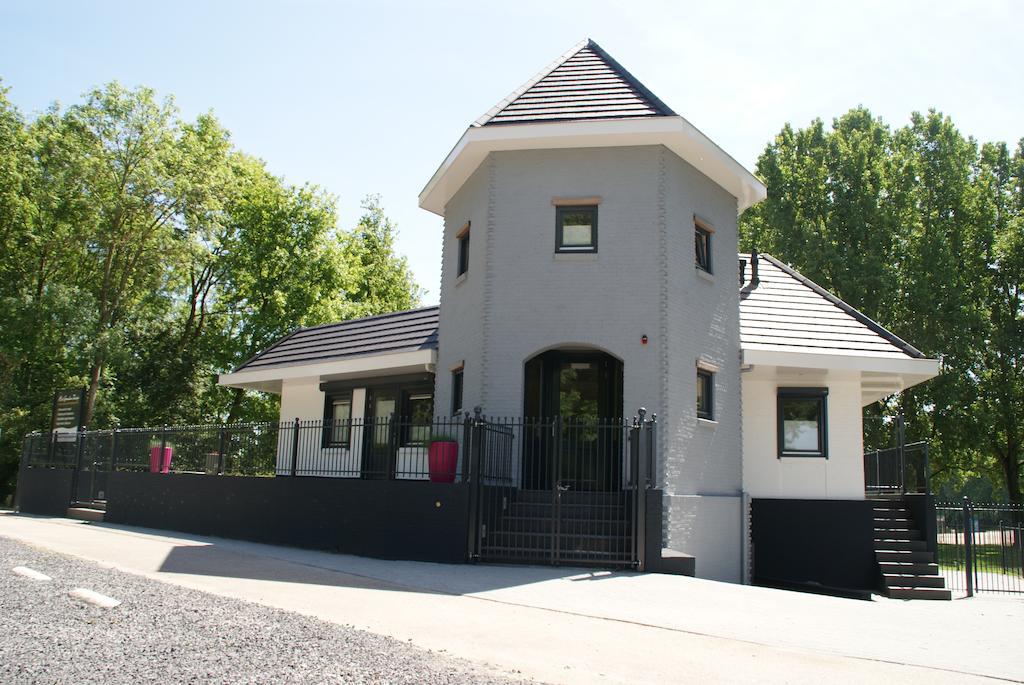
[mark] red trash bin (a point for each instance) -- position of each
(158, 464)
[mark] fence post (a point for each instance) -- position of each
(295, 448)
(927, 472)
(220, 451)
(969, 546)
(52, 452)
(901, 457)
(471, 474)
(113, 450)
(640, 499)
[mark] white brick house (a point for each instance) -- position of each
(590, 260)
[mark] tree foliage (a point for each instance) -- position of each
(141, 255)
(923, 230)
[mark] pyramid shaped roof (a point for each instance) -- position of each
(584, 84)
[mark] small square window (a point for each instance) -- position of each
(576, 229)
(705, 394)
(702, 236)
(456, 391)
(340, 418)
(463, 238)
(802, 422)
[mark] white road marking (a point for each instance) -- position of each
(30, 573)
(94, 598)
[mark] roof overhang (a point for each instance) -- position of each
(364, 366)
(880, 376)
(674, 132)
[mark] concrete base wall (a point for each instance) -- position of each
(710, 528)
(412, 520)
(44, 491)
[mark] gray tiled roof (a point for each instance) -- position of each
(788, 312)
(584, 84)
(415, 329)
(785, 311)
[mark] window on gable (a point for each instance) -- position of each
(457, 391)
(705, 394)
(339, 417)
(702, 237)
(802, 422)
(463, 238)
(576, 229)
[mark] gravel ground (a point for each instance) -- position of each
(171, 634)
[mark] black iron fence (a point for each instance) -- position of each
(897, 470)
(386, 448)
(981, 546)
(563, 490)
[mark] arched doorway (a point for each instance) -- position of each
(573, 404)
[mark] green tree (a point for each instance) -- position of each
(922, 230)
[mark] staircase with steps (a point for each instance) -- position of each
(908, 569)
(593, 528)
(93, 511)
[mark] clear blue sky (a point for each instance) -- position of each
(369, 97)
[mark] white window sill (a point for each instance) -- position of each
(710, 423)
(461, 278)
(710, 278)
(575, 256)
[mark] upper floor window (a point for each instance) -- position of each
(463, 238)
(702, 237)
(802, 427)
(457, 390)
(576, 228)
(705, 393)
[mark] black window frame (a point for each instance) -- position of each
(701, 233)
(560, 212)
(707, 377)
(408, 396)
(329, 420)
(458, 386)
(462, 267)
(787, 393)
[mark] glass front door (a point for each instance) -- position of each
(576, 443)
(379, 434)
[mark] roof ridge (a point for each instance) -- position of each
(632, 80)
(878, 328)
(511, 97)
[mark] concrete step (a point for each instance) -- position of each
(913, 580)
(904, 555)
(908, 567)
(890, 513)
(894, 523)
(919, 593)
(86, 514)
(897, 534)
(889, 544)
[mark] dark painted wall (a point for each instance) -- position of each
(44, 491)
(823, 545)
(922, 509)
(414, 520)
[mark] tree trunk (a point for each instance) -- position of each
(94, 386)
(236, 405)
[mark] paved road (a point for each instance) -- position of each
(570, 625)
(164, 633)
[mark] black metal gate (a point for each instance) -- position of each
(93, 462)
(981, 546)
(562, 490)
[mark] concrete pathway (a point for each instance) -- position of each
(574, 625)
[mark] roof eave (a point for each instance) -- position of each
(674, 132)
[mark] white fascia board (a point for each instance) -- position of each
(916, 370)
(336, 369)
(675, 133)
